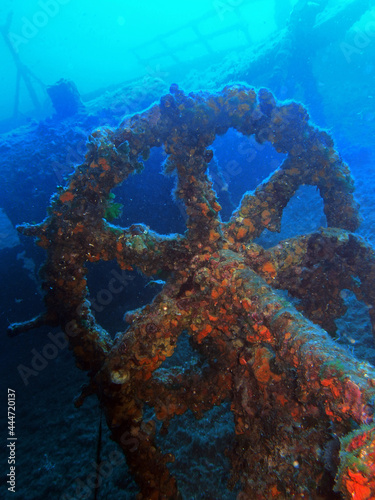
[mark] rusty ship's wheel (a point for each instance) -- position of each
(287, 381)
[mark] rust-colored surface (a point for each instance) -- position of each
(293, 391)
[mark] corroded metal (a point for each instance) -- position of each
(293, 390)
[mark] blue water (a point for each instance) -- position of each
(119, 58)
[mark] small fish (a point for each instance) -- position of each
(156, 282)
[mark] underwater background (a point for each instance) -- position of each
(71, 66)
